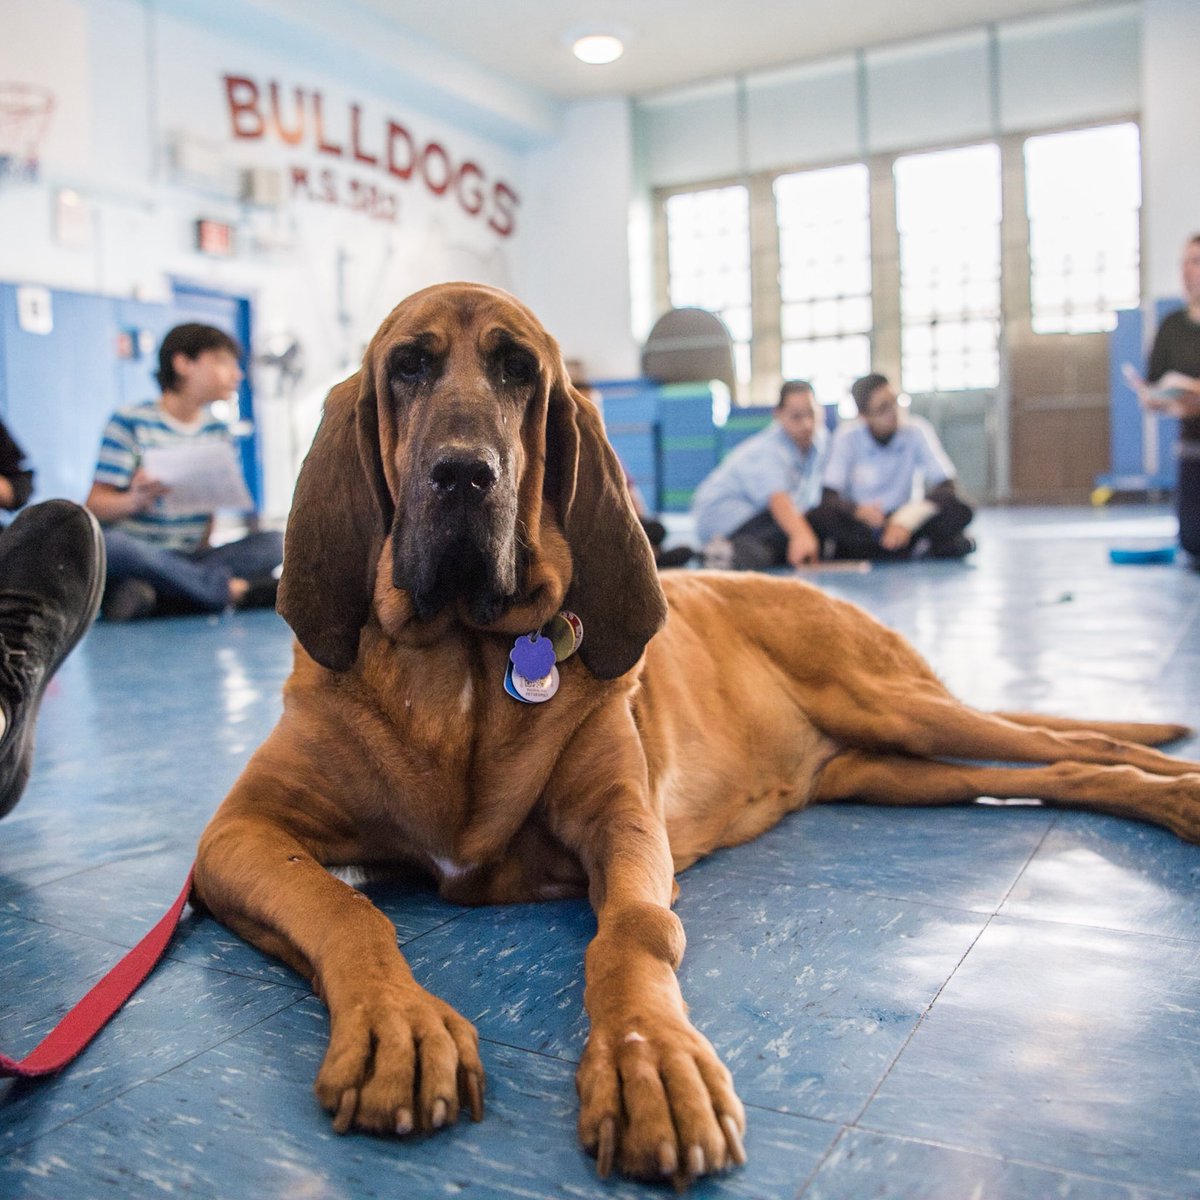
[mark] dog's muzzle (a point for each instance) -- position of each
(458, 539)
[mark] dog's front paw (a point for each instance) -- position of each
(399, 1059)
(657, 1101)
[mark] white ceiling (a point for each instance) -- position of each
(673, 42)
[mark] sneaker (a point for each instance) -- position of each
(718, 554)
(959, 546)
(129, 600)
(677, 556)
(51, 580)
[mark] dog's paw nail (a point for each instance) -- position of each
(475, 1096)
(668, 1160)
(344, 1116)
(695, 1161)
(404, 1121)
(437, 1114)
(606, 1148)
(733, 1139)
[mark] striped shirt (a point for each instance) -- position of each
(129, 433)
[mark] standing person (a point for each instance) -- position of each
(16, 479)
(158, 558)
(750, 512)
(868, 508)
(1175, 368)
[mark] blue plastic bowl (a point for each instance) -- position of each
(1158, 554)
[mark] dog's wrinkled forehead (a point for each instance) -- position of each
(453, 314)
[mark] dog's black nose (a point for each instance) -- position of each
(462, 476)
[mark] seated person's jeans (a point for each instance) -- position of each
(197, 581)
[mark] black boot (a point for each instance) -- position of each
(51, 581)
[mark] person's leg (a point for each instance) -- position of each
(1187, 502)
(849, 537)
(759, 544)
(174, 577)
(51, 580)
(944, 530)
(253, 558)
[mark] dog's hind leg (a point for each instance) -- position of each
(1123, 791)
(1143, 733)
(912, 717)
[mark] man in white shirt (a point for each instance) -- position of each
(889, 490)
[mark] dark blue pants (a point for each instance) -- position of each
(1187, 504)
(199, 581)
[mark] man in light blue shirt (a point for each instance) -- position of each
(750, 512)
(889, 488)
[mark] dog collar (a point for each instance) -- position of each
(532, 674)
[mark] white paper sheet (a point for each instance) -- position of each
(202, 476)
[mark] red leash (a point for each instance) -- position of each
(68, 1038)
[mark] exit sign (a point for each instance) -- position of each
(214, 237)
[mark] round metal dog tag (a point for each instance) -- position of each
(561, 634)
(536, 691)
(576, 624)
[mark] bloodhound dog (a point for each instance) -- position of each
(459, 494)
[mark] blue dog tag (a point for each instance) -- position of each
(532, 656)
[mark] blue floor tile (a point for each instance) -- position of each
(1094, 870)
(181, 1011)
(885, 1168)
(242, 1120)
(1063, 1046)
(969, 858)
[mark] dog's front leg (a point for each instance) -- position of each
(399, 1058)
(654, 1097)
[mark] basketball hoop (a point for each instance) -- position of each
(25, 112)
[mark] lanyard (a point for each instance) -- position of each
(68, 1038)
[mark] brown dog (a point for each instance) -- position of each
(459, 494)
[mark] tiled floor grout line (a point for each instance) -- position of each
(854, 1123)
(945, 983)
(149, 1079)
(1140, 1188)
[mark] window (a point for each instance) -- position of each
(1082, 194)
(948, 218)
(825, 277)
(708, 260)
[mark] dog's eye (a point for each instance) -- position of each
(412, 363)
(517, 368)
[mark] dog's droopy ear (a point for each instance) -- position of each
(614, 588)
(341, 513)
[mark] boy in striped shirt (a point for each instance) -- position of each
(160, 559)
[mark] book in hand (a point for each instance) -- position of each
(1168, 395)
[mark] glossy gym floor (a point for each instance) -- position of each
(996, 1002)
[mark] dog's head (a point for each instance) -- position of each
(462, 438)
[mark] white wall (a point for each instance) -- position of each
(1078, 66)
(144, 131)
(1170, 138)
(575, 275)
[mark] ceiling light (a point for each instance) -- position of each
(598, 48)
